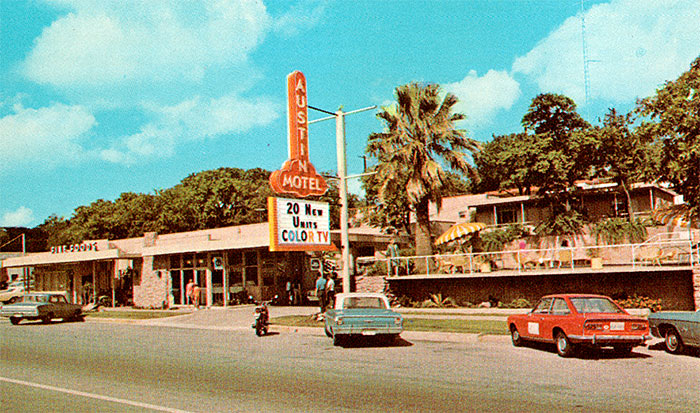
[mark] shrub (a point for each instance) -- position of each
(519, 303)
(436, 301)
(637, 301)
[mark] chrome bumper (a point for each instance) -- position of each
(609, 339)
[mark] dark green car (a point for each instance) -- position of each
(678, 329)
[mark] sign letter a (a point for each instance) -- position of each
(300, 85)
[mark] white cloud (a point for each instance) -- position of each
(22, 217)
(108, 42)
(480, 98)
(46, 135)
(195, 119)
(632, 48)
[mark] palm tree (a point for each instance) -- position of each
(420, 136)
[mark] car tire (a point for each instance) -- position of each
(338, 340)
(15, 320)
(515, 337)
(564, 346)
(46, 319)
(12, 300)
(673, 342)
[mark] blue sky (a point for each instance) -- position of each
(98, 98)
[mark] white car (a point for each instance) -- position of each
(13, 292)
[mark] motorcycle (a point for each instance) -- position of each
(262, 318)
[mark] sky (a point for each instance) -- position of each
(98, 98)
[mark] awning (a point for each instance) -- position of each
(47, 258)
(459, 230)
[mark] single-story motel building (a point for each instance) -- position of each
(152, 271)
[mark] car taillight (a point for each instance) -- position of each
(594, 326)
(397, 321)
(638, 326)
(338, 321)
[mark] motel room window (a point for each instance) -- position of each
(507, 216)
(251, 267)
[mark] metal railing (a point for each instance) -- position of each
(672, 253)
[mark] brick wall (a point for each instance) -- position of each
(696, 285)
(154, 287)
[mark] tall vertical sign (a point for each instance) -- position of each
(298, 225)
(298, 176)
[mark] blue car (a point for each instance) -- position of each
(362, 314)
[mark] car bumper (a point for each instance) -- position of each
(366, 330)
(602, 339)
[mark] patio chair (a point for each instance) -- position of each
(650, 255)
(459, 262)
(565, 257)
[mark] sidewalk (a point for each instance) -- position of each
(239, 318)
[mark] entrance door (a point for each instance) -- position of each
(178, 290)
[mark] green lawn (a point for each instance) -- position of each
(132, 314)
(462, 325)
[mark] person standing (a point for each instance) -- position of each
(321, 292)
(392, 252)
(195, 296)
(330, 291)
(188, 292)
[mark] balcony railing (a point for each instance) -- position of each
(655, 254)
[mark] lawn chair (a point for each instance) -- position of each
(565, 257)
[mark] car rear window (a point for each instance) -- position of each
(595, 305)
(364, 302)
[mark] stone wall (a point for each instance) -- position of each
(677, 289)
(370, 284)
(153, 290)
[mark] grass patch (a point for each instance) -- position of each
(132, 314)
(415, 324)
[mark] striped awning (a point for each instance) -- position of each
(678, 216)
(459, 230)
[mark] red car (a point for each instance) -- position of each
(572, 320)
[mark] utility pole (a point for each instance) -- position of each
(339, 117)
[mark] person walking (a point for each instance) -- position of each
(330, 291)
(321, 292)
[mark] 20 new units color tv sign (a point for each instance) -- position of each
(299, 225)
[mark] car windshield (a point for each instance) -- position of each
(364, 302)
(595, 305)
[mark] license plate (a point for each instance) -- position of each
(617, 326)
(369, 333)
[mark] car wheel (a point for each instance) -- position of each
(46, 319)
(15, 320)
(564, 346)
(673, 342)
(338, 339)
(515, 337)
(12, 300)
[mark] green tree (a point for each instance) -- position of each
(214, 199)
(420, 135)
(505, 163)
(624, 156)
(672, 116)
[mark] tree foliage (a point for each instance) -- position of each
(672, 117)
(420, 136)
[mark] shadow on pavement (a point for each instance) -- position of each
(369, 342)
(588, 353)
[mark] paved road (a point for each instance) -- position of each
(98, 366)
